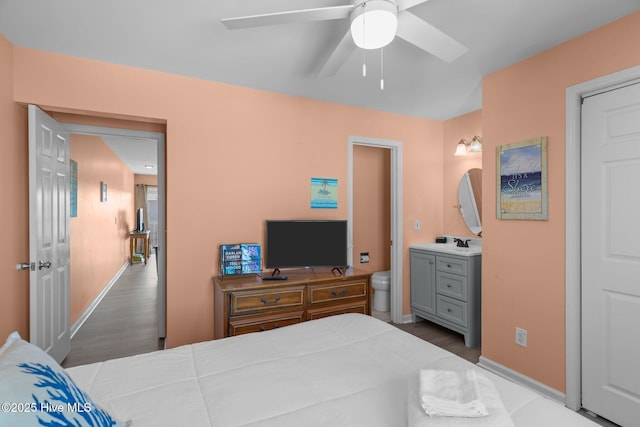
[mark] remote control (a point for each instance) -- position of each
(275, 278)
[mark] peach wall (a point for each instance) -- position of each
(99, 241)
(14, 204)
(523, 272)
(372, 207)
(232, 152)
(462, 127)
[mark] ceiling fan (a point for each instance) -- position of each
(374, 24)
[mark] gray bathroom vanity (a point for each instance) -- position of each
(446, 287)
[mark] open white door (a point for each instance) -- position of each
(611, 254)
(49, 250)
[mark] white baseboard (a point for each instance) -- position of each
(521, 379)
(85, 315)
(407, 318)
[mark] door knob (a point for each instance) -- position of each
(44, 264)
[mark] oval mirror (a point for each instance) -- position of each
(470, 200)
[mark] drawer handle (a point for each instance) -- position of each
(262, 328)
(448, 310)
(275, 300)
(448, 265)
(448, 285)
(344, 292)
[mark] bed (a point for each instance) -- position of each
(346, 370)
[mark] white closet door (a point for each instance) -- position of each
(611, 255)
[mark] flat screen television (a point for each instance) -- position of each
(305, 243)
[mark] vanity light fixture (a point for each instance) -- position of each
(475, 146)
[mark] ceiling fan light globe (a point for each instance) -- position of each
(374, 24)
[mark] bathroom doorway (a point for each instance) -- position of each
(375, 213)
(372, 222)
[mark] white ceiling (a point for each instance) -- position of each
(136, 153)
(186, 37)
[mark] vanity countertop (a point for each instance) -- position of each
(449, 248)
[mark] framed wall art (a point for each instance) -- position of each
(522, 180)
(73, 187)
(324, 193)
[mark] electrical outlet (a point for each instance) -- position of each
(521, 337)
(364, 257)
(416, 225)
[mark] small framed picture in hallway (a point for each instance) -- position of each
(103, 191)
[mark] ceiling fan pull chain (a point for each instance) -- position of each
(364, 51)
(364, 63)
(364, 25)
(381, 68)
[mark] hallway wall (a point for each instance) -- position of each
(99, 234)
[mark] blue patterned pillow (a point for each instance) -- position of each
(35, 390)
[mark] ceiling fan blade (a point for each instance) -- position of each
(428, 38)
(339, 56)
(406, 4)
(289, 17)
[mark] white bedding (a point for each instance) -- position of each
(348, 370)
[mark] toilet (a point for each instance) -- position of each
(381, 283)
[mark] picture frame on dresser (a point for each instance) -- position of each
(240, 258)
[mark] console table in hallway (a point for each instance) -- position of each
(133, 240)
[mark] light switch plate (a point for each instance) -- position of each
(521, 337)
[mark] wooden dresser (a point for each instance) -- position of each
(246, 304)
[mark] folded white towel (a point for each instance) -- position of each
(451, 393)
(487, 394)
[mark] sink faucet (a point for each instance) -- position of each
(461, 243)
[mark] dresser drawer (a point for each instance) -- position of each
(248, 324)
(332, 310)
(452, 310)
(319, 294)
(265, 300)
(452, 285)
(451, 265)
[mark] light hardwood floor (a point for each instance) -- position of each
(124, 323)
(442, 337)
